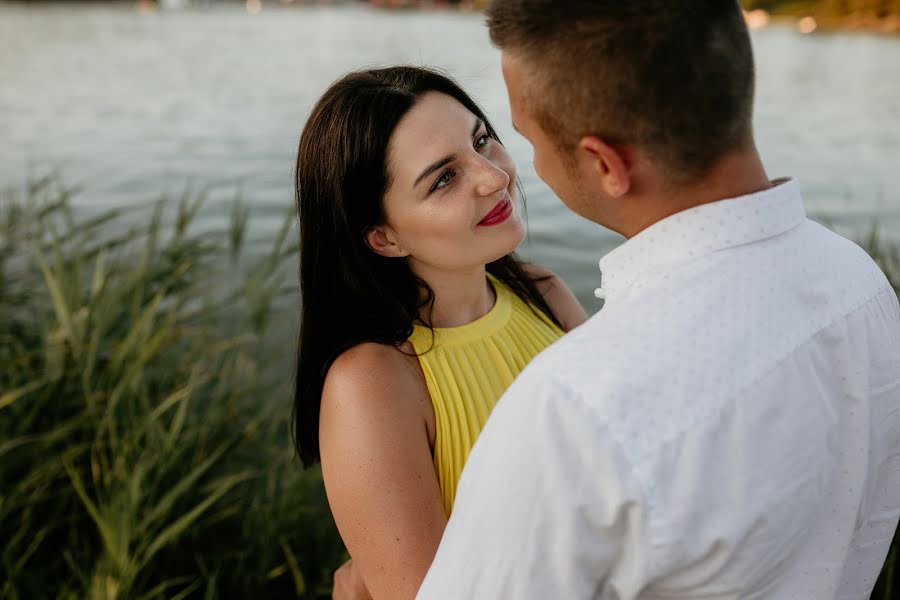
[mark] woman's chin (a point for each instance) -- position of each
(512, 236)
(517, 225)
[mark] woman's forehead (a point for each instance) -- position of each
(436, 123)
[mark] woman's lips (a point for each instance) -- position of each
(500, 213)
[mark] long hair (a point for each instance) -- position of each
(350, 294)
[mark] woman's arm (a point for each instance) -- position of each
(378, 469)
(559, 297)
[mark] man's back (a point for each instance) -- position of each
(737, 431)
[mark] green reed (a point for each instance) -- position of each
(144, 435)
(835, 8)
(145, 403)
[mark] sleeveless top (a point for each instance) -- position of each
(467, 369)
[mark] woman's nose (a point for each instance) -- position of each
(490, 178)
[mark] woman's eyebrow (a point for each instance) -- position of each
(447, 159)
(434, 167)
(478, 124)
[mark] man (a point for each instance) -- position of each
(727, 426)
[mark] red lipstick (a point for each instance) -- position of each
(499, 213)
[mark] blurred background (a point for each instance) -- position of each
(148, 294)
(132, 101)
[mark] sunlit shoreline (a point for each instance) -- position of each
(812, 19)
(821, 21)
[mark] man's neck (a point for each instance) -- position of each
(737, 174)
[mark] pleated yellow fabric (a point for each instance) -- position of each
(468, 368)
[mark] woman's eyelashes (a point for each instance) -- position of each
(443, 180)
(447, 175)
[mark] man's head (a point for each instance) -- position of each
(636, 90)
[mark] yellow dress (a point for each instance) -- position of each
(468, 368)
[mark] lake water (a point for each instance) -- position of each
(132, 105)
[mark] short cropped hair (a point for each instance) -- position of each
(675, 77)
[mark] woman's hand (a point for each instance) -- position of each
(348, 584)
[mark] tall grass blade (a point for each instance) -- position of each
(237, 228)
(167, 502)
(170, 533)
(299, 582)
(158, 591)
(10, 397)
(103, 527)
(61, 307)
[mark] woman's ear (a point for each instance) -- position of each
(383, 241)
(609, 164)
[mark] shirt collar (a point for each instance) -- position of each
(700, 231)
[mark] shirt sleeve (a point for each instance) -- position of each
(547, 506)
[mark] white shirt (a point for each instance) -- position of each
(727, 426)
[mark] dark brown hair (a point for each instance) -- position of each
(350, 294)
(674, 77)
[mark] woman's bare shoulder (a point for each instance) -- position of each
(372, 377)
(559, 297)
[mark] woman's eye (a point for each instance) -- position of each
(443, 180)
(482, 141)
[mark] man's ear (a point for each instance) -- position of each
(383, 241)
(611, 164)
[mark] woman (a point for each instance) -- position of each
(416, 315)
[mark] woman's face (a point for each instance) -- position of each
(451, 202)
